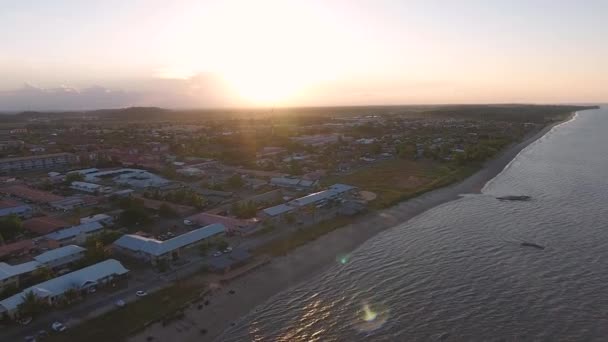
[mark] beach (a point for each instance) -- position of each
(257, 287)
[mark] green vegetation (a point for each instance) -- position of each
(235, 182)
(10, 227)
(303, 236)
(166, 211)
(32, 305)
(133, 213)
(181, 196)
(245, 210)
(73, 177)
(117, 325)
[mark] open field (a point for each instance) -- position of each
(397, 180)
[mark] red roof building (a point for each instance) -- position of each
(44, 225)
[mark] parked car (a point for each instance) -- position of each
(217, 254)
(42, 334)
(227, 250)
(188, 222)
(120, 303)
(141, 293)
(58, 327)
(29, 339)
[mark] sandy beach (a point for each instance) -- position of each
(281, 273)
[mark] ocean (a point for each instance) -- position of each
(458, 272)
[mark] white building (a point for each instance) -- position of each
(52, 291)
(104, 219)
(13, 275)
(152, 250)
(76, 234)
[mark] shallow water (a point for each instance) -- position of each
(459, 273)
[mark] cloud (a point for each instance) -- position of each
(200, 90)
(65, 98)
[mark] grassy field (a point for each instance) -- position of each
(119, 324)
(300, 237)
(397, 180)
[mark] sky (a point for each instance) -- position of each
(85, 54)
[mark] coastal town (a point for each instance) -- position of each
(105, 215)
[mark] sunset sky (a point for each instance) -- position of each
(115, 53)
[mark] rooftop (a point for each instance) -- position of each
(80, 279)
(74, 231)
(58, 253)
(157, 248)
(44, 225)
(278, 210)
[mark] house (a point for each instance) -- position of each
(76, 234)
(40, 162)
(276, 213)
(293, 183)
(14, 275)
(52, 291)
(61, 257)
(28, 194)
(232, 225)
(91, 188)
(76, 201)
(154, 251)
(104, 219)
(10, 207)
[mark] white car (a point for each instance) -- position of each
(58, 326)
(188, 222)
(120, 303)
(141, 293)
(217, 254)
(227, 250)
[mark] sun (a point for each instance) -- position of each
(266, 86)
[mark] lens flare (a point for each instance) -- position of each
(368, 314)
(371, 317)
(343, 259)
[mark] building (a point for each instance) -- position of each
(154, 251)
(134, 178)
(10, 207)
(232, 225)
(91, 188)
(40, 162)
(75, 235)
(53, 291)
(76, 201)
(293, 183)
(276, 213)
(28, 194)
(104, 219)
(14, 275)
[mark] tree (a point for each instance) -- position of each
(71, 294)
(43, 273)
(31, 305)
(222, 244)
(10, 227)
(73, 177)
(235, 181)
(203, 249)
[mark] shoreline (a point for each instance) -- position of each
(313, 258)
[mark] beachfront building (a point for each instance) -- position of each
(277, 213)
(14, 275)
(39, 162)
(76, 234)
(155, 251)
(53, 291)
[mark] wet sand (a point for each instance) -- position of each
(257, 287)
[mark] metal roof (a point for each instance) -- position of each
(157, 248)
(313, 198)
(74, 231)
(58, 253)
(278, 210)
(20, 209)
(77, 279)
(9, 271)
